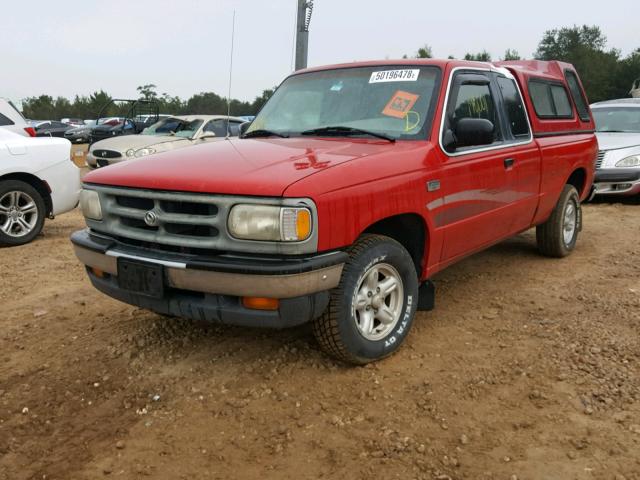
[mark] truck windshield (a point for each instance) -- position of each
(394, 101)
(617, 119)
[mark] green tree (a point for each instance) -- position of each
(260, 100)
(510, 54)
(424, 52)
(39, 108)
(585, 48)
(628, 72)
(482, 56)
(147, 92)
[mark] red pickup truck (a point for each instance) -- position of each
(352, 187)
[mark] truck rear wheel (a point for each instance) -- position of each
(372, 309)
(558, 235)
(22, 213)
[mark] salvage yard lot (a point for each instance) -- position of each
(528, 367)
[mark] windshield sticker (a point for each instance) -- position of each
(406, 75)
(336, 87)
(400, 104)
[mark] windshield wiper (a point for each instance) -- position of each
(261, 132)
(342, 130)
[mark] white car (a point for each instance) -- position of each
(37, 180)
(618, 132)
(169, 133)
(11, 119)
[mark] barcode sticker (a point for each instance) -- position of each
(406, 75)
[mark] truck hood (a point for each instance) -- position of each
(613, 141)
(125, 142)
(257, 167)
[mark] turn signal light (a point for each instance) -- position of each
(97, 272)
(259, 303)
(303, 224)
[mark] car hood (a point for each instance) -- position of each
(125, 142)
(258, 167)
(614, 141)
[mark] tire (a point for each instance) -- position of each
(22, 213)
(558, 235)
(356, 334)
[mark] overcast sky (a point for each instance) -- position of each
(183, 46)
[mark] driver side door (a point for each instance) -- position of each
(476, 209)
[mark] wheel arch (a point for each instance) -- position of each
(578, 179)
(40, 185)
(408, 229)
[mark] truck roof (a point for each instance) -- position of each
(539, 68)
(522, 70)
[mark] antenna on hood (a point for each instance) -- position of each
(233, 32)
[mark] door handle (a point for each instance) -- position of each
(509, 162)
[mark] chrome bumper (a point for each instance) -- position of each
(179, 276)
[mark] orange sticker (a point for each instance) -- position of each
(400, 104)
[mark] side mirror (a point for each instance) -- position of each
(206, 135)
(244, 127)
(469, 132)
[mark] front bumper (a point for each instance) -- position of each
(211, 288)
(617, 181)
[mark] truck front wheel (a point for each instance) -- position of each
(372, 309)
(558, 235)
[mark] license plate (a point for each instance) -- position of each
(141, 277)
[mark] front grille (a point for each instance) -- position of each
(176, 219)
(600, 158)
(188, 223)
(101, 162)
(106, 154)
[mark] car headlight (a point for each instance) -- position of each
(90, 204)
(130, 153)
(632, 161)
(143, 152)
(270, 223)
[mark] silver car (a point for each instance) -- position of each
(618, 132)
(168, 134)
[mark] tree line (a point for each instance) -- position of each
(85, 107)
(605, 72)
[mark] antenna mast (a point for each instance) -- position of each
(233, 32)
(305, 9)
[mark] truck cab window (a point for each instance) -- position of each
(472, 100)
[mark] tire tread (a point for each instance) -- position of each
(325, 328)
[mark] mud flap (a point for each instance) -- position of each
(426, 296)
(579, 216)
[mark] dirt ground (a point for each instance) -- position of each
(527, 369)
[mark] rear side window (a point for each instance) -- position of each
(516, 114)
(577, 95)
(4, 121)
(550, 100)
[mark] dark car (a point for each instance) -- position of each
(51, 128)
(83, 134)
(125, 127)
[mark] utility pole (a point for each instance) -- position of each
(305, 8)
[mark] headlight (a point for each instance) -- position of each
(270, 223)
(632, 161)
(90, 204)
(131, 152)
(144, 151)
